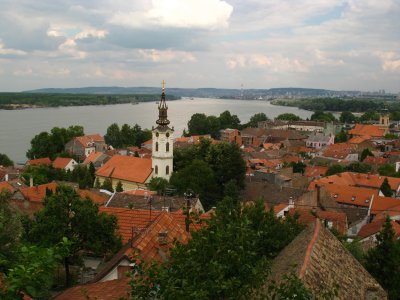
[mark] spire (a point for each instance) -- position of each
(162, 109)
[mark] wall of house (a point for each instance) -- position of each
(113, 274)
(126, 185)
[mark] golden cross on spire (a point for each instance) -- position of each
(163, 85)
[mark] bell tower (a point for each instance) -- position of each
(163, 142)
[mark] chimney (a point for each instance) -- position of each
(6, 177)
(31, 181)
(291, 202)
(163, 238)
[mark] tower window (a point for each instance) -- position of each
(157, 134)
(167, 170)
(156, 146)
(167, 134)
(167, 147)
(156, 169)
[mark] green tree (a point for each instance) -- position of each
(334, 169)
(298, 167)
(214, 126)
(65, 214)
(385, 188)
(97, 184)
(369, 116)
(228, 120)
(198, 125)
(288, 117)
(366, 152)
(322, 116)
(113, 136)
(347, 117)
(5, 161)
(231, 256)
(127, 135)
(342, 137)
(383, 261)
(107, 185)
(358, 167)
(198, 177)
(258, 117)
(388, 170)
(119, 187)
(158, 184)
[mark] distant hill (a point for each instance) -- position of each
(185, 92)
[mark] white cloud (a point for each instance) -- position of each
(9, 51)
(204, 14)
(166, 56)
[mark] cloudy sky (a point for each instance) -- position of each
(333, 44)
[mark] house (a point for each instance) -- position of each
(369, 231)
(82, 146)
(5, 185)
(64, 163)
(341, 151)
(133, 172)
(98, 159)
(39, 161)
(230, 136)
(324, 266)
(320, 140)
(367, 130)
(315, 172)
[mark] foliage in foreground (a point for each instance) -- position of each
(225, 260)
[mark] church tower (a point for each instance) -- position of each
(163, 142)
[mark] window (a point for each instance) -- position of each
(167, 134)
(156, 146)
(157, 134)
(167, 147)
(167, 170)
(353, 198)
(156, 169)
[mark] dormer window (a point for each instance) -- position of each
(353, 198)
(335, 196)
(366, 200)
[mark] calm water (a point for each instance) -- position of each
(18, 127)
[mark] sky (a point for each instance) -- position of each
(331, 44)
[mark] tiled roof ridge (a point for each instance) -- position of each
(310, 248)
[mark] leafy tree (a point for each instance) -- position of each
(214, 126)
(119, 187)
(383, 261)
(228, 120)
(198, 177)
(385, 188)
(198, 124)
(334, 169)
(388, 170)
(107, 185)
(113, 136)
(97, 184)
(342, 137)
(33, 272)
(366, 152)
(322, 116)
(158, 184)
(258, 117)
(369, 116)
(44, 174)
(230, 256)
(298, 167)
(358, 167)
(347, 117)
(5, 161)
(288, 117)
(65, 214)
(52, 144)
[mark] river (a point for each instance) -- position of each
(18, 127)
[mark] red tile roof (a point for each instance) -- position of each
(92, 157)
(88, 140)
(373, 160)
(375, 226)
(129, 168)
(140, 192)
(358, 139)
(338, 219)
(37, 193)
(315, 171)
(61, 162)
(340, 150)
(371, 130)
(6, 186)
(107, 290)
(96, 198)
(39, 161)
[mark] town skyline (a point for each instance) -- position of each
(335, 45)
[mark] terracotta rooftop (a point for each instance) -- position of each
(375, 226)
(88, 140)
(96, 197)
(129, 168)
(373, 160)
(61, 162)
(92, 157)
(339, 151)
(37, 193)
(359, 139)
(315, 171)
(371, 130)
(108, 290)
(39, 161)
(6, 186)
